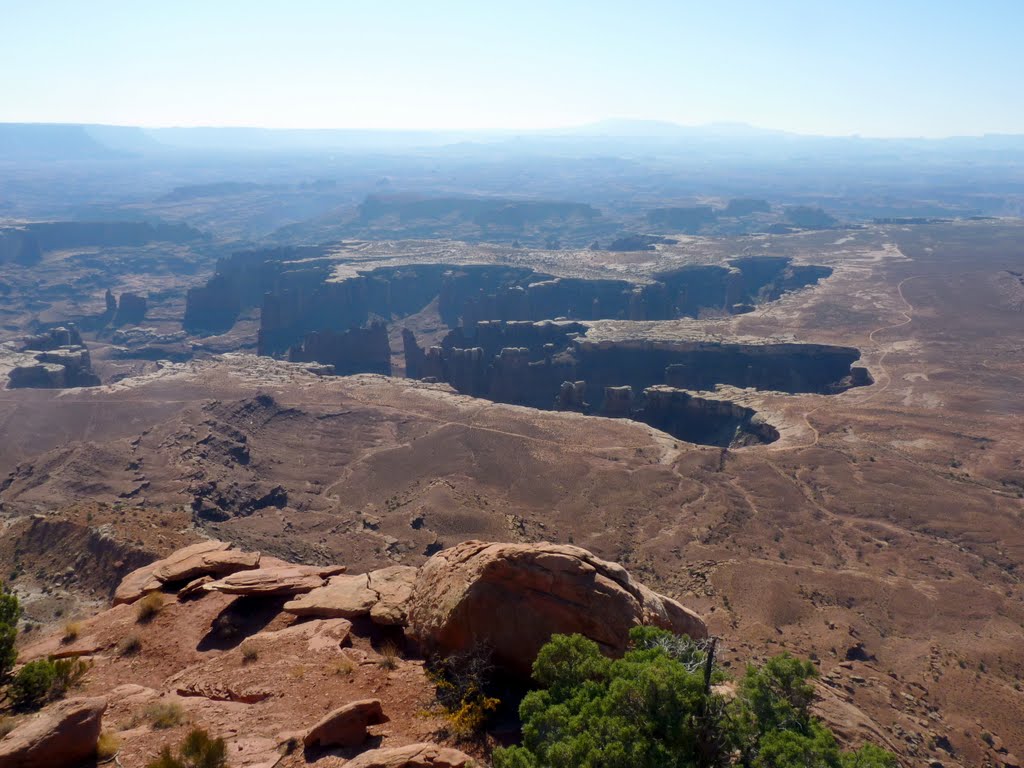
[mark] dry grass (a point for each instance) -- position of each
(71, 632)
(149, 607)
(249, 653)
(130, 645)
(389, 655)
(107, 746)
(344, 667)
(164, 714)
(7, 724)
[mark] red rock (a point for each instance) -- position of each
(393, 587)
(61, 736)
(184, 565)
(345, 726)
(513, 597)
(274, 581)
(413, 756)
(345, 597)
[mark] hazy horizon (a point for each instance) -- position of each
(874, 70)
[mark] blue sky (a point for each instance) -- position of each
(897, 68)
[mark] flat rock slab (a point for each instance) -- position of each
(382, 595)
(345, 726)
(413, 756)
(61, 736)
(344, 597)
(319, 634)
(274, 581)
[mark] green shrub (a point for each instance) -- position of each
(31, 685)
(67, 674)
(10, 612)
(655, 708)
(198, 750)
(44, 680)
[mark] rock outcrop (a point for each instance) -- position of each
(62, 736)
(61, 360)
(513, 597)
(357, 350)
(206, 558)
(131, 309)
(413, 756)
(345, 726)
(382, 595)
(274, 581)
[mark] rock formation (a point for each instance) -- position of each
(273, 580)
(131, 309)
(413, 756)
(345, 726)
(382, 595)
(61, 360)
(553, 365)
(207, 558)
(357, 350)
(63, 735)
(513, 597)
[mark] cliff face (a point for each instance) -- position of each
(551, 365)
(311, 315)
(358, 350)
(25, 243)
(295, 288)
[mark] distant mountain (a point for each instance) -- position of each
(46, 141)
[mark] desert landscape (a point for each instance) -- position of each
(877, 531)
(557, 385)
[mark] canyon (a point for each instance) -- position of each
(506, 345)
(810, 438)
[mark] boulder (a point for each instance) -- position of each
(382, 595)
(345, 726)
(278, 580)
(413, 756)
(513, 597)
(61, 736)
(185, 566)
(345, 597)
(393, 587)
(205, 558)
(136, 584)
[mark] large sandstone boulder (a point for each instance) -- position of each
(513, 597)
(345, 726)
(61, 736)
(382, 595)
(205, 558)
(274, 581)
(413, 756)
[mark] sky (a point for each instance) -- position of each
(867, 67)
